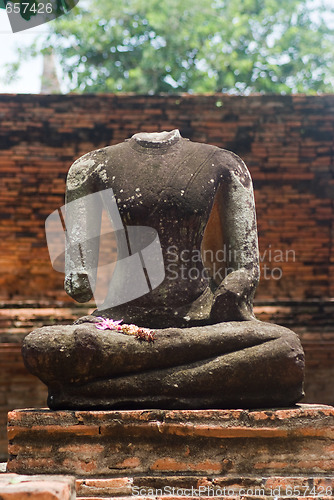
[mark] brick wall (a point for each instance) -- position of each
(18, 388)
(287, 143)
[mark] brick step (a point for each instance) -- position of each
(237, 497)
(294, 441)
(19, 487)
(183, 487)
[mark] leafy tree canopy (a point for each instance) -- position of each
(200, 46)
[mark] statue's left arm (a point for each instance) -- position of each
(233, 300)
(83, 220)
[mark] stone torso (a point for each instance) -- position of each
(170, 184)
(171, 189)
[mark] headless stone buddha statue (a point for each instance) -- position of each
(209, 350)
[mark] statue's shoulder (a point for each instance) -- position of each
(233, 167)
(85, 166)
(88, 160)
(97, 155)
(230, 166)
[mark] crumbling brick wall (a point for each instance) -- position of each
(287, 143)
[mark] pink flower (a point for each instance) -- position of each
(138, 332)
(109, 324)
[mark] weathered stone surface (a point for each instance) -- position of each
(238, 365)
(145, 443)
(19, 487)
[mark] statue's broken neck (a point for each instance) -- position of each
(155, 140)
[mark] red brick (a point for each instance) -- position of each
(142, 442)
(16, 487)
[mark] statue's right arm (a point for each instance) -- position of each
(83, 221)
(233, 299)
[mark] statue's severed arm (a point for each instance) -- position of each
(83, 222)
(233, 300)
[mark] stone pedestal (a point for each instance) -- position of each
(124, 453)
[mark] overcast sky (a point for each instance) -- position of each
(30, 72)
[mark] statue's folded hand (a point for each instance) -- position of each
(232, 300)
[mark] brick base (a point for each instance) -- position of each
(19, 487)
(208, 487)
(203, 443)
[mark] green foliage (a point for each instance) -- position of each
(199, 46)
